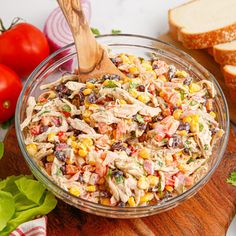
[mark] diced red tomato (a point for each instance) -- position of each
(35, 130)
(66, 113)
(100, 169)
(71, 169)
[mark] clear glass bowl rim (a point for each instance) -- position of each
(163, 205)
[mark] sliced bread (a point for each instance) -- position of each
(229, 73)
(204, 23)
(225, 53)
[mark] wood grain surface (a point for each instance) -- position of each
(208, 213)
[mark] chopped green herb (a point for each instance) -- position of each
(193, 103)
(110, 84)
(95, 31)
(232, 179)
(201, 126)
(115, 31)
(58, 173)
(140, 119)
(206, 147)
(188, 142)
(160, 163)
(182, 94)
(165, 140)
(190, 160)
(133, 85)
(66, 108)
(119, 179)
(109, 172)
(1, 149)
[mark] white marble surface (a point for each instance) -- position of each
(130, 16)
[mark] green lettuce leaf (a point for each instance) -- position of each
(232, 178)
(1, 150)
(7, 208)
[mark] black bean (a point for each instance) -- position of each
(117, 173)
(121, 204)
(213, 131)
(111, 77)
(175, 141)
(188, 80)
(155, 65)
(117, 146)
(104, 194)
(60, 155)
(92, 98)
(142, 126)
(184, 126)
(43, 128)
(187, 150)
(81, 95)
(63, 169)
(157, 118)
(80, 179)
(141, 88)
(63, 90)
(92, 80)
(171, 72)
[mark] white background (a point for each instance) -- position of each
(147, 17)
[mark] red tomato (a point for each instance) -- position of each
(22, 48)
(10, 87)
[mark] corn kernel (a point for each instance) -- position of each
(51, 137)
(181, 74)
(87, 91)
(143, 183)
(93, 107)
(32, 149)
(86, 103)
(50, 158)
(169, 188)
(187, 119)
(131, 58)
(194, 127)
(74, 144)
(87, 141)
(162, 77)
(75, 191)
(146, 197)
(87, 119)
(52, 95)
(153, 73)
(213, 114)
(82, 146)
(182, 133)
(87, 113)
(162, 94)
(144, 153)
(143, 98)
(153, 180)
(177, 113)
(133, 93)
(147, 66)
(72, 137)
(90, 85)
(75, 151)
(122, 102)
(105, 201)
(83, 153)
(133, 70)
(182, 167)
(131, 201)
(193, 88)
(91, 188)
(125, 59)
(195, 118)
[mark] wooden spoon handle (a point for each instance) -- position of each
(89, 56)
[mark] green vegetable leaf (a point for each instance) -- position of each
(109, 172)
(201, 126)
(119, 179)
(140, 119)
(193, 103)
(232, 179)
(115, 31)
(95, 31)
(206, 147)
(133, 85)
(7, 208)
(1, 149)
(66, 108)
(32, 189)
(110, 84)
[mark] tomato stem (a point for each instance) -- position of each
(14, 22)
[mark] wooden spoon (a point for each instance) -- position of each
(93, 60)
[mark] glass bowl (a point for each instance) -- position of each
(65, 60)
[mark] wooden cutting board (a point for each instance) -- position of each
(208, 213)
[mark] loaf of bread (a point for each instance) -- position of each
(204, 23)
